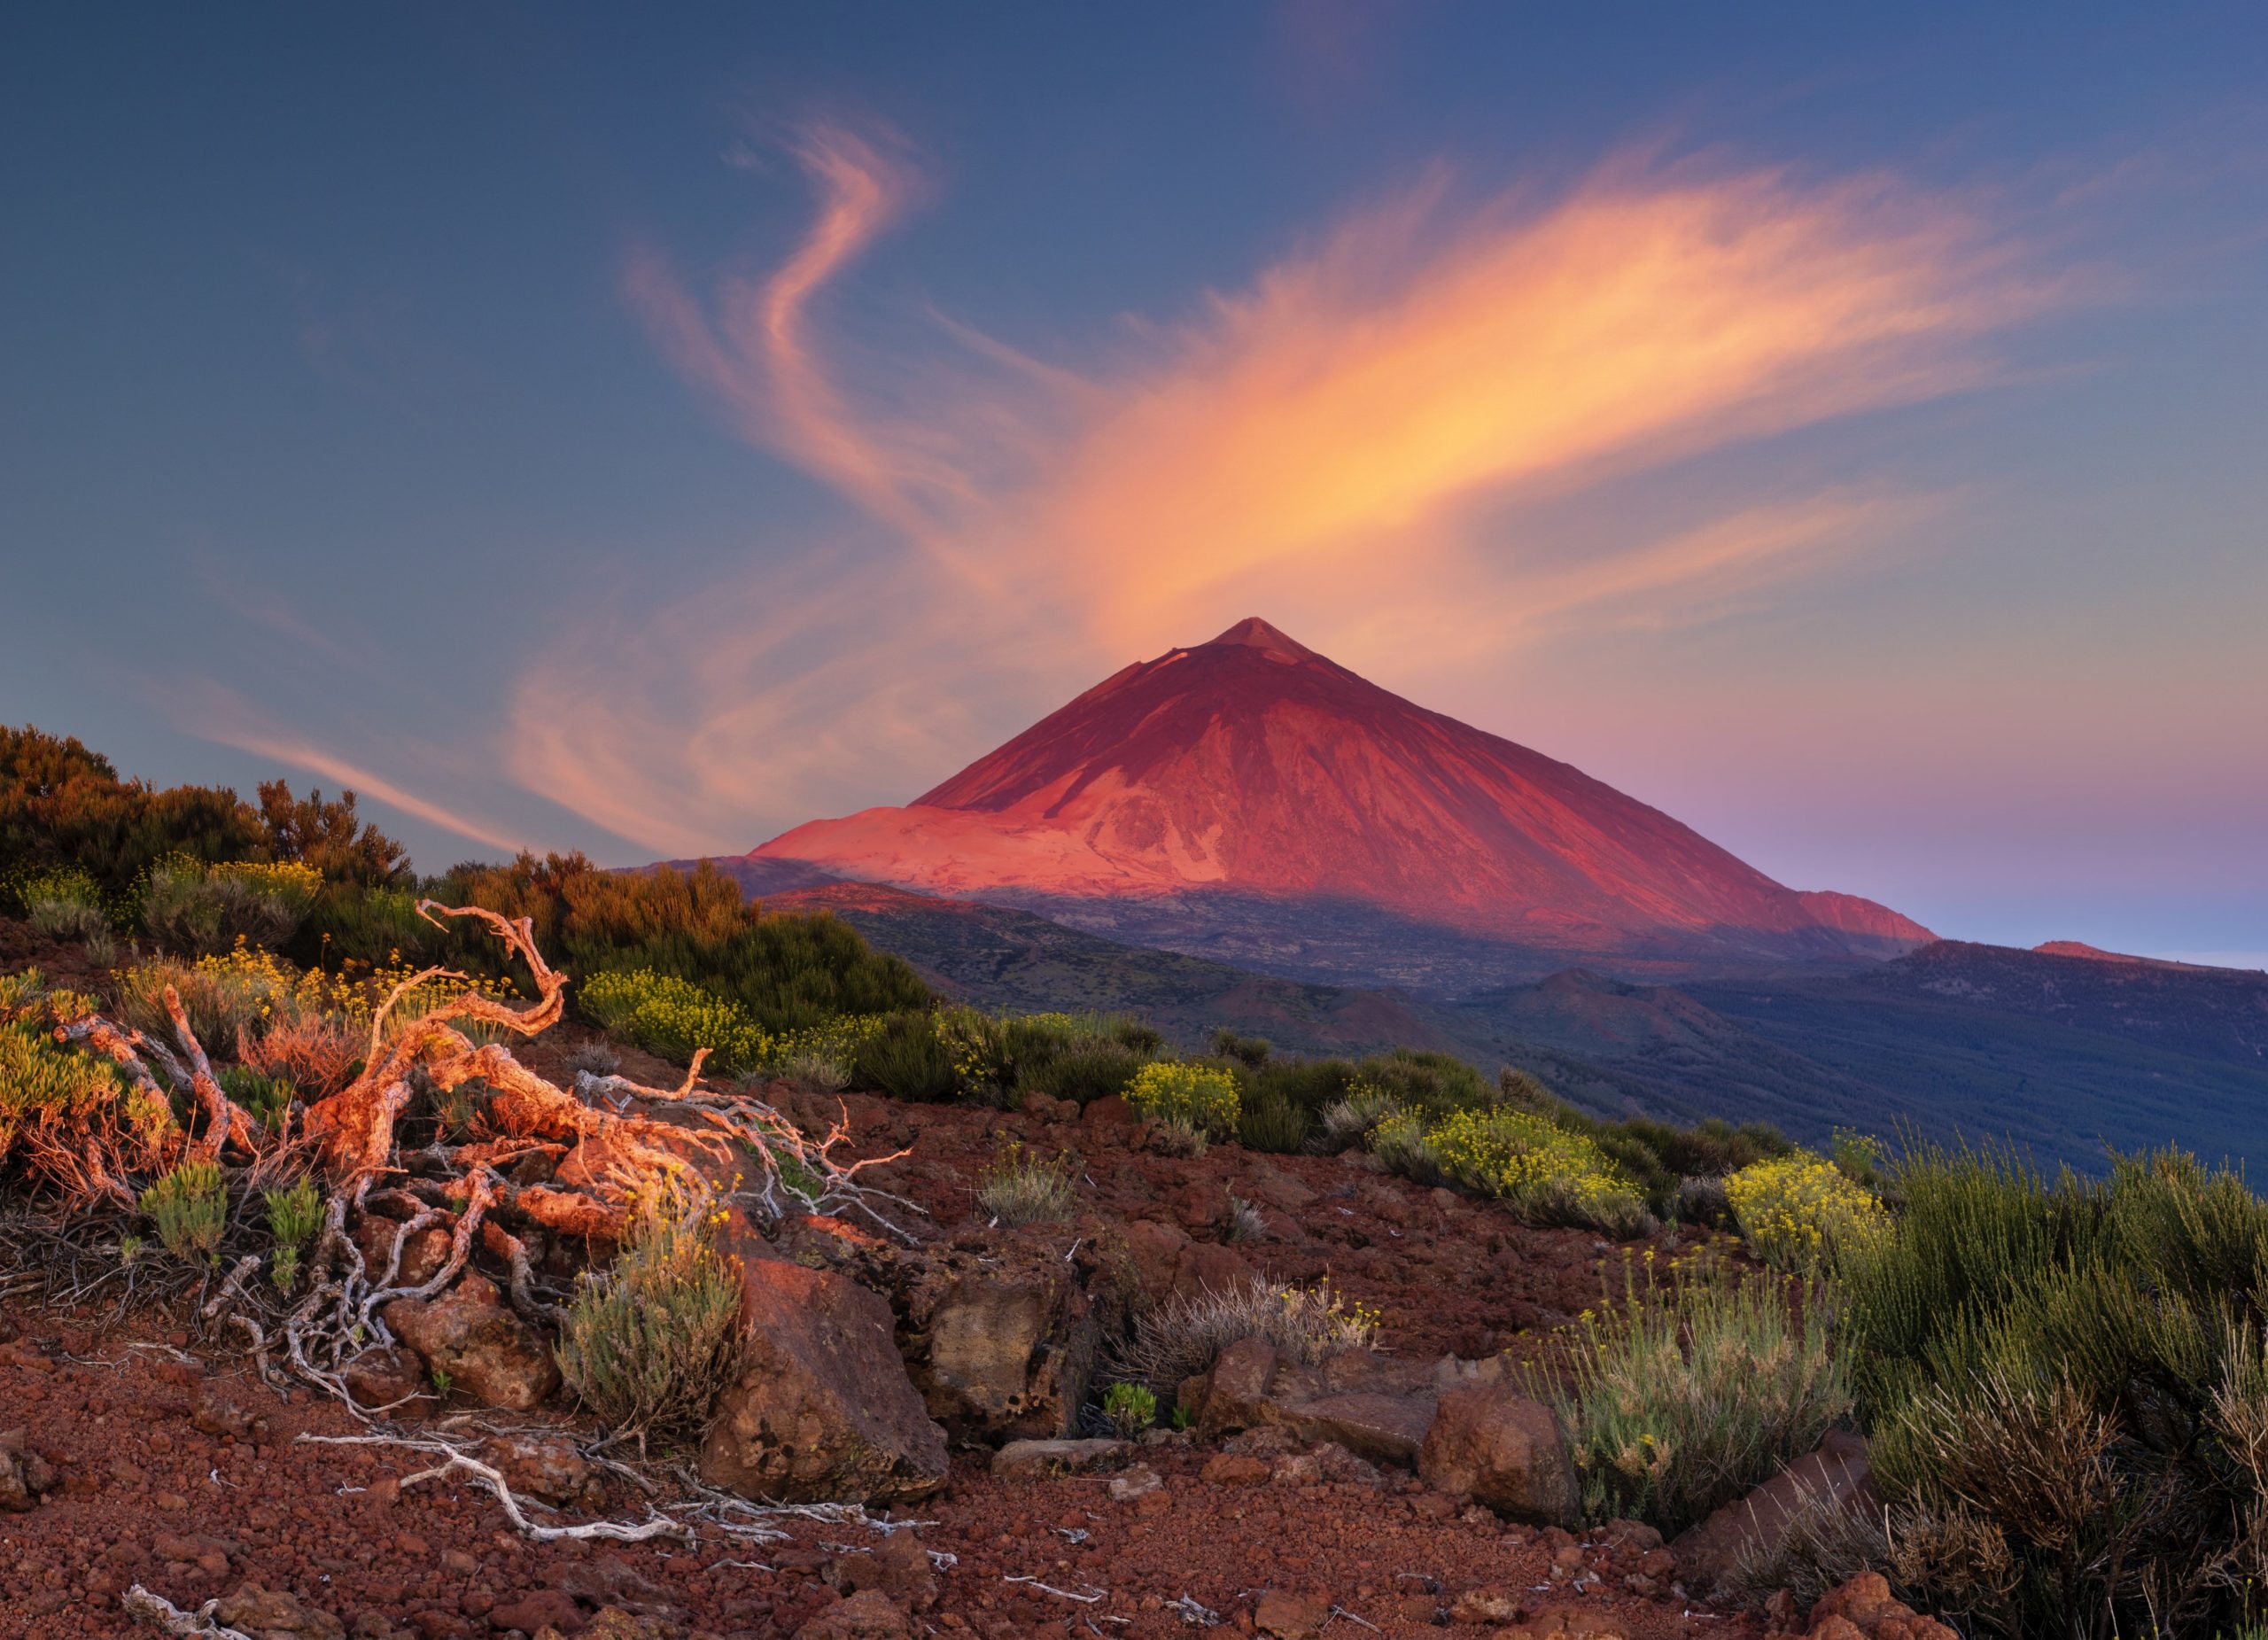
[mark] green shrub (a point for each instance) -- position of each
(294, 1215)
(41, 1081)
(1436, 1084)
(1399, 1140)
(649, 1343)
(65, 904)
(1543, 1173)
(1174, 1090)
(1678, 1401)
(1090, 1071)
(266, 1100)
(2073, 1372)
(1272, 1123)
(1801, 1214)
(669, 1017)
(190, 1206)
(1130, 1409)
(1019, 1187)
(294, 1212)
(189, 906)
(905, 1060)
(787, 972)
(1350, 1120)
(1250, 1052)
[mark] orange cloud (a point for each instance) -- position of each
(1326, 440)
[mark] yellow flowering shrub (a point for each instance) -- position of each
(1196, 1096)
(671, 1017)
(1801, 1213)
(1545, 1174)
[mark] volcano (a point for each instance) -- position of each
(1249, 797)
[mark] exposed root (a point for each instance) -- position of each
(699, 1507)
(609, 1142)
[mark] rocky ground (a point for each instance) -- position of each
(1301, 1499)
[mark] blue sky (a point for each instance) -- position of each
(1839, 426)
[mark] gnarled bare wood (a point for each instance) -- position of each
(225, 1123)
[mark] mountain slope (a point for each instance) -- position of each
(1891, 1049)
(1253, 792)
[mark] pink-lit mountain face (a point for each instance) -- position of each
(1253, 772)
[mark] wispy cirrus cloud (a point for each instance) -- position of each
(1349, 437)
(213, 712)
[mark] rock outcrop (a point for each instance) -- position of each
(822, 1409)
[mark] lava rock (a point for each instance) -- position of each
(822, 1409)
(488, 1352)
(1498, 1447)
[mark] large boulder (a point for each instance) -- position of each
(821, 1409)
(999, 1335)
(489, 1354)
(1835, 1476)
(1498, 1447)
(1374, 1406)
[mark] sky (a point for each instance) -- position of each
(641, 431)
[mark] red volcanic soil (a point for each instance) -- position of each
(1252, 763)
(180, 1471)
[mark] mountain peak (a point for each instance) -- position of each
(1252, 632)
(1298, 785)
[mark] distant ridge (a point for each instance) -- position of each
(1254, 799)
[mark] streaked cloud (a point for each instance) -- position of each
(1353, 436)
(213, 712)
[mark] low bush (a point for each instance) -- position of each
(1018, 1186)
(1542, 1173)
(1400, 1141)
(188, 1205)
(1801, 1214)
(1272, 1123)
(65, 904)
(1090, 1071)
(224, 996)
(904, 1059)
(1128, 1409)
(1174, 1091)
(1681, 1400)
(2065, 1385)
(189, 906)
(1438, 1085)
(315, 1050)
(671, 1018)
(1182, 1336)
(787, 972)
(41, 1081)
(1348, 1121)
(649, 1343)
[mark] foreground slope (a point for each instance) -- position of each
(1250, 798)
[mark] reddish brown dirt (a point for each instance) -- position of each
(147, 1497)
